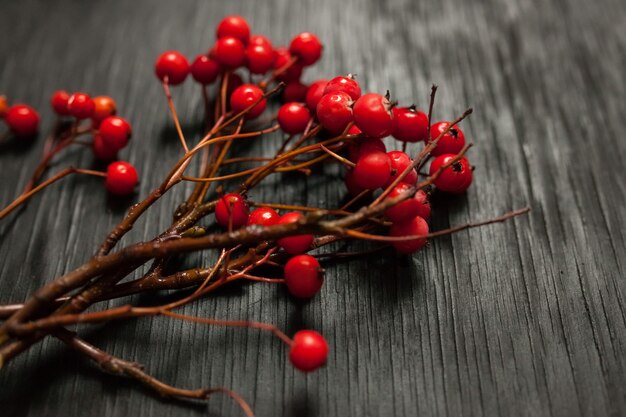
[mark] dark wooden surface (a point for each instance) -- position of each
(523, 319)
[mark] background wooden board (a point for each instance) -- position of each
(522, 319)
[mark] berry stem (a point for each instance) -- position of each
(277, 73)
(170, 103)
(420, 158)
(340, 158)
(431, 106)
(378, 238)
(61, 174)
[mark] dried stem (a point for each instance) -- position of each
(62, 174)
(170, 103)
(117, 366)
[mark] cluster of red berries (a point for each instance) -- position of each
(234, 48)
(303, 274)
(21, 119)
(111, 134)
(339, 107)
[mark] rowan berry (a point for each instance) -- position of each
(260, 58)
(314, 94)
(416, 205)
(205, 70)
(346, 84)
(260, 40)
(105, 106)
(416, 226)
(454, 179)
(23, 120)
(303, 276)
(235, 26)
(307, 47)
(263, 216)
(294, 245)
(229, 52)
(295, 91)
(81, 106)
(364, 146)
(409, 124)
(232, 209)
(245, 96)
(101, 151)
(59, 102)
(399, 161)
(452, 142)
(372, 170)
(372, 114)
(115, 132)
(291, 74)
(121, 178)
(309, 350)
(173, 65)
(293, 118)
(334, 112)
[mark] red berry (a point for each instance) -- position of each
(293, 118)
(314, 94)
(263, 216)
(104, 107)
(173, 65)
(235, 26)
(452, 142)
(121, 178)
(294, 72)
(4, 106)
(334, 111)
(353, 188)
(372, 114)
(232, 209)
(260, 40)
(399, 161)
(304, 276)
(260, 58)
(101, 151)
(372, 170)
(81, 106)
(295, 91)
(346, 84)
(417, 205)
(229, 52)
(205, 70)
(23, 120)
(422, 198)
(59, 102)
(409, 124)
(294, 245)
(245, 96)
(417, 226)
(307, 47)
(115, 132)
(364, 146)
(454, 179)
(309, 350)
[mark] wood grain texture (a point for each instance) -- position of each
(525, 319)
